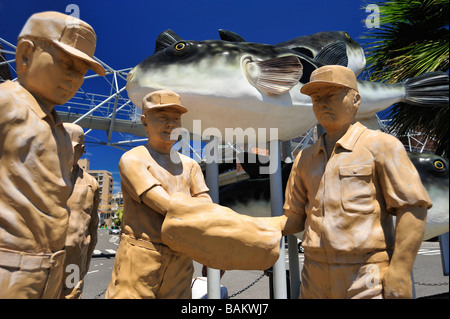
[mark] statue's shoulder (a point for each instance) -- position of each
(187, 159)
(13, 102)
(90, 180)
(137, 153)
(378, 138)
(7, 93)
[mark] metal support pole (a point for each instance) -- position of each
(212, 181)
(443, 243)
(294, 266)
(113, 119)
(286, 154)
(276, 202)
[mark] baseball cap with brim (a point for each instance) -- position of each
(92, 64)
(70, 34)
(162, 99)
(330, 75)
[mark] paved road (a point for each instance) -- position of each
(427, 273)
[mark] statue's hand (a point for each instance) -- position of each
(397, 284)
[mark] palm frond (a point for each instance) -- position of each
(413, 38)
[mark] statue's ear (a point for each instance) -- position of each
(24, 55)
(143, 120)
(357, 100)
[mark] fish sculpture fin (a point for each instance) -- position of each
(230, 36)
(166, 39)
(304, 50)
(427, 89)
(274, 76)
(333, 54)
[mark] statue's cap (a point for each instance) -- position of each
(161, 99)
(330, 75)
(72, 35)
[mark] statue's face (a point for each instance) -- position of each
(335, 107)
(53, 76)
(160, 123)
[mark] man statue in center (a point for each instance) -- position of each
(144, 267)
(344, 191)
(54, 52)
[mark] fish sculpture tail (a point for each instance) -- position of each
(428, 89)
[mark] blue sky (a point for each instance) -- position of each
(127, 30)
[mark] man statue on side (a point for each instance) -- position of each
(54, 52)
(344, 192)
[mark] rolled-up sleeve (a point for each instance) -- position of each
(198, 185)
(135, 176)
(399, 179)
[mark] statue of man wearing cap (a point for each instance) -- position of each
(144, 266)
(83, 220)
(344, 191)
(54, 51)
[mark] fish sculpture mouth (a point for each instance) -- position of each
(249, 69)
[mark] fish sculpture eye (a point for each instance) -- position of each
(179, 49)
(439, 165)
(180, 46)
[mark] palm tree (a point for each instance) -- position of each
(413, 38)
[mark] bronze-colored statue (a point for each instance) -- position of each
(144, 266)
(344, 191)
(83, 220)
(54, 51)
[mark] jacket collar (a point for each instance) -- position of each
(347, 141)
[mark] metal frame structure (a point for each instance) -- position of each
(416, 141)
